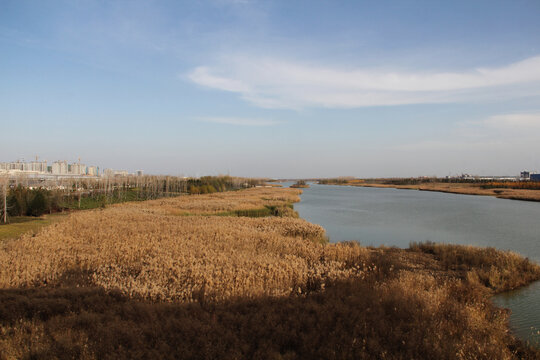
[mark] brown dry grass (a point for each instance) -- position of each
(141, 251)
(494, 269)
(249, 199)
(459, 188)
(138, 281)
(163, 257)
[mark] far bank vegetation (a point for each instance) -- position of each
(516, 190)
(300, 184)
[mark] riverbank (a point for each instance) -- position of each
(454, 188)
(175, 278)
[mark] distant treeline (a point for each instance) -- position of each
(212, 184)
(525, 185)
(336, 181)
(24, 200)
(428, 180)
(300, 184)
(484, 183)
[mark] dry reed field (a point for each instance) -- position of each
(144, 251)
(248, 199)
(176, 278)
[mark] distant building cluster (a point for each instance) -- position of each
(34, 166)
(523, 176)
(60, 168)
(528, 175)
(111, 172)
(56, 168)
(484, 178)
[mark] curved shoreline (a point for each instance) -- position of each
(450, 273)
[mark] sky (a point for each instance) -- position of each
(281, 89)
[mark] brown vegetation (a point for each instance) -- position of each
(528, 193)
(526, 185)
(495, 269)
(218, 203)
(139, 281)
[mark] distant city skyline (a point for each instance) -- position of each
(63, 167)
(59, 167)
(279, 89)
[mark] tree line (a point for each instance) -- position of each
(25, 197)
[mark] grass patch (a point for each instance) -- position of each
(266, 211)
(269, 210)
(22, 224)
(263, 212)
(254, 213)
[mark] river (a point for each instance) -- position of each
(397, 217)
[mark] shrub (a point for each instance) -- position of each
(38, 205)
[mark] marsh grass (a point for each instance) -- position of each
(137, 281)
(407, 316)
(495, 269)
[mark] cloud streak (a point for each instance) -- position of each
(514, 121)
(275, 83)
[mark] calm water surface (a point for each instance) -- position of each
(395, 217)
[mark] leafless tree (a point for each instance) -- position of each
(4, 196)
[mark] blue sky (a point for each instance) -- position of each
(274, 89)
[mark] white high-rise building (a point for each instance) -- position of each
(77, 169)
(121, 173)
(39, 166)
(60, 168)
(16, 165)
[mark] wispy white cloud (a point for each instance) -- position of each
(517, 120)
(457, 145)
(239, 121)
(202, 75)
(496, 132)
(275, 83)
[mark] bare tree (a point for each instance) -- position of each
(4, 196)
